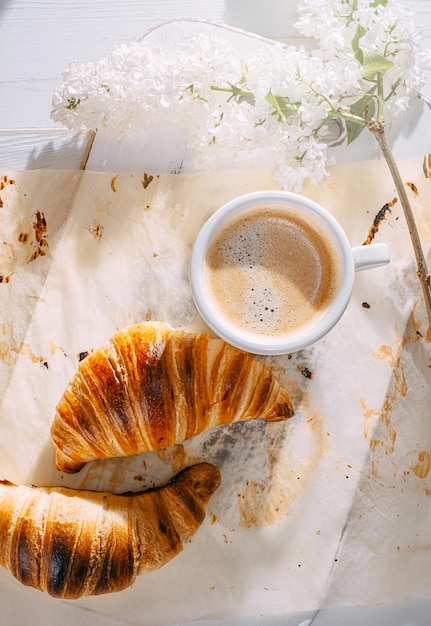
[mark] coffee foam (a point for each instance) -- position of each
(270, 271)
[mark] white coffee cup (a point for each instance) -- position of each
(348, 261)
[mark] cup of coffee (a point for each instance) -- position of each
(272, 272)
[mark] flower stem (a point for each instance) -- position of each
(236, 91)
(378, 130)
(380, 99)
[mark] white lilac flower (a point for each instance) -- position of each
(275, 103)
(388, 29)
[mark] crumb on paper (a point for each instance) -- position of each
(413, 188)
(378, 219)
(96, 230)
(113, 182)
(305, 371)
(213, 518)
(23, 237)
(146, 180)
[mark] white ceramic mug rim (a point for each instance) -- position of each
(263, 344)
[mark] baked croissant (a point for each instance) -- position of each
(73, 543)
(150, 387)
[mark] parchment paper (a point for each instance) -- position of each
(330, 508)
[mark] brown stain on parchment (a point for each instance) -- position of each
(10, 348)
(96, 230)
(378, 428)
(423, 465)
(416, 326)
(31, 235)
(40, 228)
(176, 456)
(104, 475)
(262, 503)
(5, 181)
(55, 348)
(27, 239)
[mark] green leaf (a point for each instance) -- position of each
(353, 7)
(282, 106)
(360, 32)
(374, 63)
(353, 130)
(365, 108)
(244, 73)
(377, 3)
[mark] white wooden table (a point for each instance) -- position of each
(38, 39)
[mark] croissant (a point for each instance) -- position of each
(73, 543)
(150, 387)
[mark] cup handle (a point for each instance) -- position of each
(371, 255)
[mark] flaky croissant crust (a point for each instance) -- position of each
(73, 543)
(150, 387)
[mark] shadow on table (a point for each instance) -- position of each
(385, 544)
(4, 5)
(273, 21)
(59, 150)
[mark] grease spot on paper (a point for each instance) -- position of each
(10, 348)
(176, 456)
(54, 347)
(262, 503)
(423, 465)
(379, 431)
